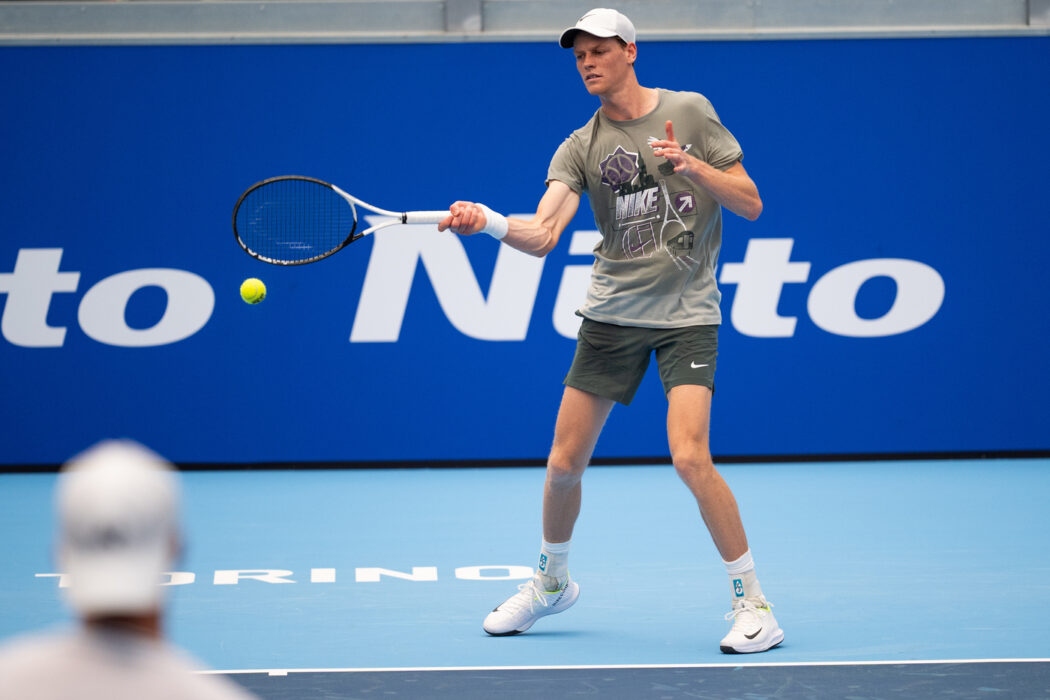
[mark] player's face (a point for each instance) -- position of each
(603, 64)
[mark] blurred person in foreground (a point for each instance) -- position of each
(118, 532)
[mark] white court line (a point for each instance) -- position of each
(602, 667)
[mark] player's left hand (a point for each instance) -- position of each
(669, 148)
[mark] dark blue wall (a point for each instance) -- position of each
(122, 164)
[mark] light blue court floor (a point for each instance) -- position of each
(395, 569)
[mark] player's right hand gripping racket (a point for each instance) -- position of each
(294, 220)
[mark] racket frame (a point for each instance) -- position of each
(395, 218)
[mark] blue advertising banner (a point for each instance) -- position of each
(890, 299)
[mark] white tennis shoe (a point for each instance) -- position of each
(754, 628)
(519, 612)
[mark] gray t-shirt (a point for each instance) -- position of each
(102, 665)
(661, 234)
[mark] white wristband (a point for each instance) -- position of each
(495, 223)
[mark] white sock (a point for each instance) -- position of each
(742, 578)
(553, 567)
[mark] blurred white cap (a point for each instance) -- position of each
(117, 508)
(601, 22)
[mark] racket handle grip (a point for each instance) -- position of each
(425, 217)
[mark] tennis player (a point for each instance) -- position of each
(118, 531)
(658, 167)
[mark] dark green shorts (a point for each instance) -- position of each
(611, 360)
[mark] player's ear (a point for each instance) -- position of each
(632, 53)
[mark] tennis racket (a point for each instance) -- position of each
(294, 220)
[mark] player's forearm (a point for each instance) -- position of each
(539, 234)
(530, 236)
(536, 236)
(735, 191)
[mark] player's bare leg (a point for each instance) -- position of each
(688, 421)
(580, 421)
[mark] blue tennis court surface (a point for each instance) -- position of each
(382, 578)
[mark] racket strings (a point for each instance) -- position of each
(294, 220)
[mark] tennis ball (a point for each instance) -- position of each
(253, 290)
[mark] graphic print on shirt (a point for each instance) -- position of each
(644, 230)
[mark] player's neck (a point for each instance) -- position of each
(630, 102)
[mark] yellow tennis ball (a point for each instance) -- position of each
(253, 290)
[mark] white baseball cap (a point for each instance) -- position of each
(117, 506)
(601, 22)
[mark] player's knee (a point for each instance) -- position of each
(693, 465)
(564, 472)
